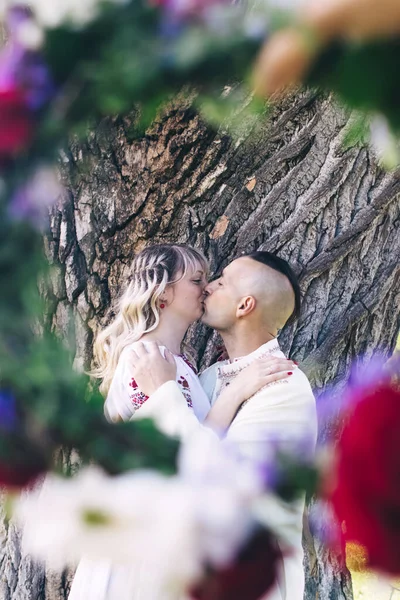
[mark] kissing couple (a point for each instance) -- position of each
(254, 395)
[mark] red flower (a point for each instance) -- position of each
(367, 490)
(19, 476)
(249, 578)
(16, 124)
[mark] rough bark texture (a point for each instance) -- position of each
(287, 186)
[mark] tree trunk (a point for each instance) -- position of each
(288, 186)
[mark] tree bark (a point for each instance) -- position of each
(286, 185)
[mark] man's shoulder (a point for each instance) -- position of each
(299, 378)
(285, 408)
(294, 391)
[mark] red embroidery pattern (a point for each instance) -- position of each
(185, 390)
(189, 364)
(137, 397)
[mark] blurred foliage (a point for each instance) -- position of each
(364, 75)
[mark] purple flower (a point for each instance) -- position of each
(364, 374)
(189, 9)
(282, 458)
(21, 67)
(32, 200)
(339, 398)
(8, 410)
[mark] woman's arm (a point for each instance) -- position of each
(248, 382)
(167, 406)
(155, 375)
(126, 396)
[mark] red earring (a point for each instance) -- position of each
(162, 305)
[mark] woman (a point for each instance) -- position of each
(164, 295)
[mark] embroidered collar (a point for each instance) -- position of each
(227, 367)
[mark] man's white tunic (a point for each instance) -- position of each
(285, 411)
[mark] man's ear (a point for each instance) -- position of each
(246, 305)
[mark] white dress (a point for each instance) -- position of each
(101, 580)
(126, 401)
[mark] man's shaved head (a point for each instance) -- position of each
(282, 267)
(259, 287)
(272, 291)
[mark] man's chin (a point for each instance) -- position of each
(206, 319)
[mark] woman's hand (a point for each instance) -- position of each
(260, 373)
(250, 380)
(150, 369)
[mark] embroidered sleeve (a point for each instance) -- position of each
(137, 397)
(185, 389)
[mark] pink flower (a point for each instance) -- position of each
(16, 123)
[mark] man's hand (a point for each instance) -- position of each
(150, 369)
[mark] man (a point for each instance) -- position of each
(252, 300)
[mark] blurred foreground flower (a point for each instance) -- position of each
(384, 143)
(356, 19)
(225, 488)
(288, 55)
(188, 8)
(366, 485)
(142, 516)
(16, 122)
(26, 462)
(76, 13)
(124, 519)
(284, 61)
(25, 86)
(250, 576)
(195, 530)
(32, 200)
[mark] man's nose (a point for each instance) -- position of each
(208, 289)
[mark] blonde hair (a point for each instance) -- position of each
(138, 311)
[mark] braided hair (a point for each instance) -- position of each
(138, 311)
